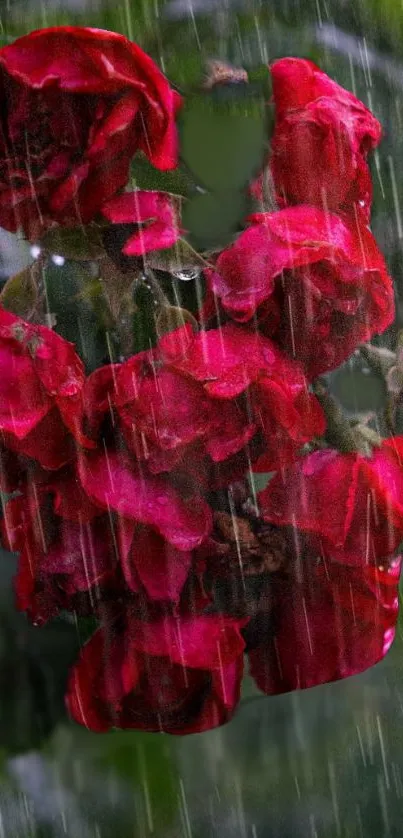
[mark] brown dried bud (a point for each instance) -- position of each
(253, 548)
(219, 72)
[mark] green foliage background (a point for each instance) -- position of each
(327, 762)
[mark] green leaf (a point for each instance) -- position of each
(358, 388)
(20, 294)
(170, 318)
(77, 243)
(259, 75)
(143, 322)
(187, 294)
(138, 763)
(80, 314)
(180, 257)
(144, 176)
(223, 143)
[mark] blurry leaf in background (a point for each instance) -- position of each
(128, 781)
(34, 664)
(223, 143)
(357, 387)
(211, 220)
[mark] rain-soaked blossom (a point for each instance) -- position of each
(75, 553)
(222, 389)
(65, 543)
(329, 621)
(115, 482)
(132, 491)
(351, 505)
(313, 279)
(322, 137)
(175, 674)
(76, 105)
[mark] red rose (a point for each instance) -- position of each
(352, 505)
(68, 546)
(249, 383)
(165, 415)
(321, 140)
(334, 624)
(41, 384)
(314, 278)
(197, 402)
(76, 104)
(178, 675)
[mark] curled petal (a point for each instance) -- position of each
(161, 568)
(155, 214)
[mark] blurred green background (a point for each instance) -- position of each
(327, 762)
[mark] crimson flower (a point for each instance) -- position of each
(76, 104)
(321, 141)
(200, 402)
(350, 504)
(313, 278)
(70, 546)
(41, 386)
(165, 414)
(175, 674)
(158, 524)
(249, 383)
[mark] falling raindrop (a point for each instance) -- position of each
(58, 260)
(35, 251)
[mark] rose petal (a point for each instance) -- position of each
(205, 642)
(111, 481)
(160, 567)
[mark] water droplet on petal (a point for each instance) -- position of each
(187, 274)
(58, 260)
(35, 251)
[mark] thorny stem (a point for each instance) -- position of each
(378, 358)
(268, 194)
(384, 363)
(117, 289)
(339, 430)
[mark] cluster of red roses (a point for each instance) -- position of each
(132, 492)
